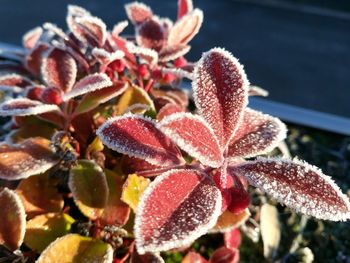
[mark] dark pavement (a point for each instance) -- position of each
(302, 58)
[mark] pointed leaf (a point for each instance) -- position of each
(138, 137)
(73, 248)
(31, 38)
(299, 185)
(220, 92)
(116, 211)
(118, 28)
(186, 28)
(88, 84)
(133, 189)
(178, 207)
(227, 221)
(14, 80)
(59, 69)
(25, 107)
(270, 230)
(12, 220)
(34, 58)
(93, 99)
(150, 34)
(257, 134)
(173, 52)
(193, 135)
(90, 30)
(168, 110)
(184, 7)
(40, 195)
(138, 12)
(44, 229)
(32, 156)
(133, 95)
(88, 184)
(225, 255)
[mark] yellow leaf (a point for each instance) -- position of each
(228, 220)
(133, 189)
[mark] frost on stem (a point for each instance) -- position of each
(298, 185)
(178, 207)
(220, 89)
(139, 137)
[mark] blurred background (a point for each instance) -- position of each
(298, 50)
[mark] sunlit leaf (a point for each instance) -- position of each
(90, 29)
(173, 52)
(34, 58)
(232, 238)
(119, 27)
(30, 157)
(14, 80)
(178, 207)
(25, 107)
(73, 248)
(88, 184)
(12, 219)
(184, 7)
(228, 220)
(150, 34)
(138, 12)
(270, 229)
(133, 189)
(168, 109)
(44, 229)
(30, 38)
(193, 257)
(116, 211)
(225, 255)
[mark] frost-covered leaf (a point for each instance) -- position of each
(131, 165)
(88, 84)
(232, 238)
(150, 34)
(14, 80)
(257, 91)
(92, 99)
(185, 28)
(90, 29)
(116, 211)
(12, 220)
(299, 185)
(270, 229)
(73, 248)
(133, 188)
(168, 109)
(178, 207)
(257, 134)
(178, 72)
(59, 69)
(133, 95)
(118, 28)
(184, 7)
(193, 135)
(25, 107)
(138, 137)
(33, 60)
(44, 229)
(225, 255)
(88, 184)
(193, 257)
(138, 12)
(177, 96)
(173, 52)
(105, 57)
(147, 54)
(228, 220)
(40, 195)
(30, 157)
(220, 89)
(30, 38)
(29, 131)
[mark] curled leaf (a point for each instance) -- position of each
(73, 248)
(12, 220)
(88, 184)
(30, 38)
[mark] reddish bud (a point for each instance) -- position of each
(239, 199)
(142, 70)
(180, 62)
(168, 77)
(52, 95)
(34, 93)
(157, 74)
(117, 65)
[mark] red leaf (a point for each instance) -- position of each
(299, 185)
(34, 58)
(132, 165)
(59, 69)
(185, 28)
(31, 38)
(14, 80)
(24, 107)
(173, 52)
(150, 55)
(193, 257)
(88, 84)
(91, 30)
(257, 134)
(184, 7)
(233, 238)
(225, 255)
(138, 12)
(138, 137)
(118, 28)
(193, 135)
(30, 157)
(220, 92)
(105, 57)
(167, 110)
(150, 34)
(178, 207)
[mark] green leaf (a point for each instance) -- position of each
(44, 229)
(88, 184)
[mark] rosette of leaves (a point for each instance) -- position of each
(186, 199)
